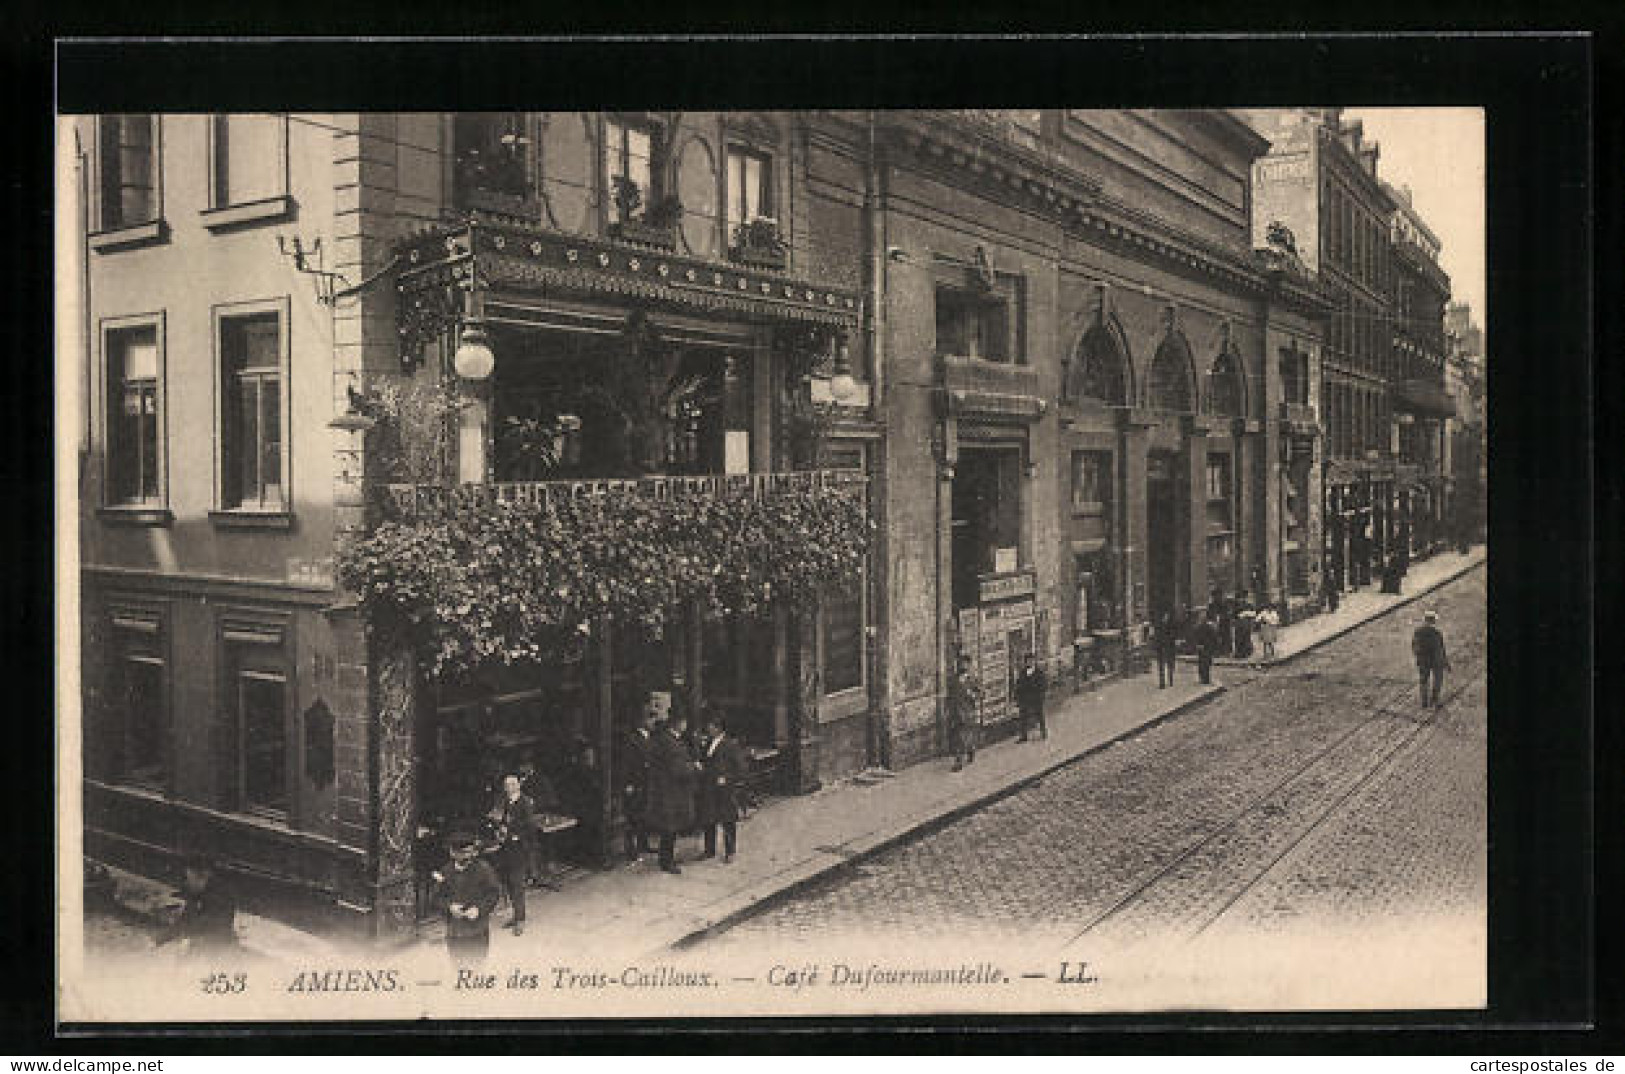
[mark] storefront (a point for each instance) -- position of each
(654, 377)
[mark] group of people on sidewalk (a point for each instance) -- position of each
(1030, 686)
(1225, 628)
(676, 782)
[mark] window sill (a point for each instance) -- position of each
(262, 211)
(252, 520)
(135, 515)
(127, 237)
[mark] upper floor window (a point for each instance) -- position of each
(128, 155)
(253, 394)
(629, 153)
(1295, 377)
(491, 154)
(249, 158)
(1226, 392)
(1170, 384)
(134, 415)
(1100, 370)
(750, 186)
(976, 324)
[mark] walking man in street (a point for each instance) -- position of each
(964, 715)
(723, 773)
(513, 821)
(1031, 686)
(1427, 645)
(1207, 641)
(467, 891)
(1165, 641)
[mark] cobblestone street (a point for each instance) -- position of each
(1317, 794)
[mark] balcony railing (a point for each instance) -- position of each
(410, 501)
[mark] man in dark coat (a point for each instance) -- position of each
(1165, 640)
(513, 823)
(964, 714)
(1032, 684)
(633, 768)
(1427, 646)
(1207, 642)
(723, 771)
(207, 925)
(669, 802)
(467, 890)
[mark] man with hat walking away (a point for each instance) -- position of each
(467, 891)
(1427, 645)
(1031, 686)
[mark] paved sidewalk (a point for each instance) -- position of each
(1357, 608)
(791, 841)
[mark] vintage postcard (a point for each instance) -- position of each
(647, 563)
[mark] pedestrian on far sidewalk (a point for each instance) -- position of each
(1207, 641)
(1245, 621)
(964, 714)
(1165, 641)
(1427, 646)
(1031, 686)
(1269, 623)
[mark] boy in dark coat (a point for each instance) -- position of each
(1031, 686)
(723, 771)
(669, 803)
(467, 890)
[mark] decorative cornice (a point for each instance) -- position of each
(526, 257)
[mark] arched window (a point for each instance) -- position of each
(1171, 376)
(1100, 369)
(1225, 389)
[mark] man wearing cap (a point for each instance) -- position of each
(1427, 645)
(467, 891)
(207, 925)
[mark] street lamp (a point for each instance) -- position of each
(842, 385)
(474, 359)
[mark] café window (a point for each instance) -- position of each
(140, 700)
(750, 186)
(249, 158)
(253, 397)
(629, 155)
(128, 183)
(975, 324)
(257, 702)
(134, 415)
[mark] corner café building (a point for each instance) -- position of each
(554, 306)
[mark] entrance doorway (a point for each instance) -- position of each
(1164, 531)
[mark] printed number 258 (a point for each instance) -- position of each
(219, 984)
